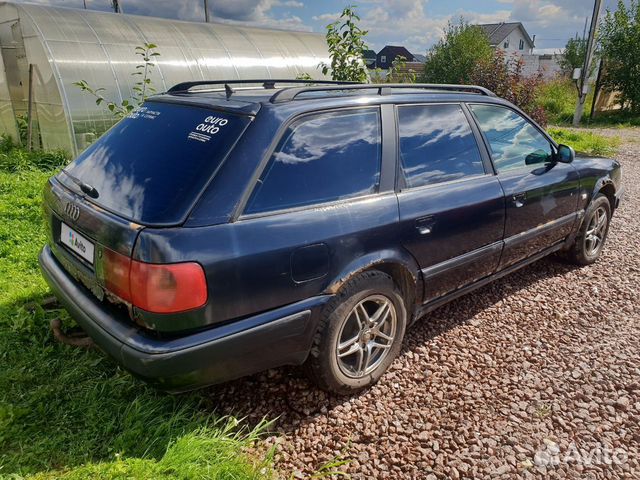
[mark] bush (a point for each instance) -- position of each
(505, 77)
(455, 57)
(15, 159)
(558, 98)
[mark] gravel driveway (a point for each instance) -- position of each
(541, 367)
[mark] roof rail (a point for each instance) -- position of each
(288, 94)
(267, 83)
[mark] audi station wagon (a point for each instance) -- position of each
(226, 228)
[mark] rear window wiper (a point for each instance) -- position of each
(85, 187)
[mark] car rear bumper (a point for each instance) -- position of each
(279, 337)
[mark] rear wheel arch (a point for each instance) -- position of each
(402, 268)
(404, 280)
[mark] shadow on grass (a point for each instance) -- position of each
(286, 394)
(62, 406)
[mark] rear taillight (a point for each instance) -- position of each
(156, 288)
(168, 288)
(116, 268)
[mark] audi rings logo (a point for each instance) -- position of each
(72, 211)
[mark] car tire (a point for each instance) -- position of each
(592, 235)
(360, 333)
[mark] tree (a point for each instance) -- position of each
(456, 55)
(142, 88)
(346, 46)
(573, 55)
(620, 50)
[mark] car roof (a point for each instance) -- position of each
(312, 96)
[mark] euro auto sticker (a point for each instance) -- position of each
(209, 127)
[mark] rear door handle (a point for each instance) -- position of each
(424, 225)
(519, 199)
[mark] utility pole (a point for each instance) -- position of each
(84, 2)
(206, 11)
(584, 77)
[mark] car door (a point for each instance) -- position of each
(541, 194)
(451, 204)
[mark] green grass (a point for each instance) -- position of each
(71, 413)
(585, 141)
(615, 119)
(559, 97)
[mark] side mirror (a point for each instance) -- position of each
(565, 154)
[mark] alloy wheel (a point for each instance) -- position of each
(596, 230)
(366, 336)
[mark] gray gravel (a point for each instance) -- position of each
(541, 366)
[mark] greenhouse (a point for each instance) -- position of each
(44, 50)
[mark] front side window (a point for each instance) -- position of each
(383, 59)
(521, 46)
(514, 142)
(436, 144)
(322, 158)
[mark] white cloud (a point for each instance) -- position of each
(289, 3)
(258, 13)
(327, 17)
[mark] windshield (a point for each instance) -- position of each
(152, 166)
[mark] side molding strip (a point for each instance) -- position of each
(461, 260)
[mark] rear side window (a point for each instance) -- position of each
(151, 166)
(513, 140)
(436, 144)
(322, 158)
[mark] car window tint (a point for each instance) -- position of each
(513, 140)
(152, 165)
(436, 144)
(322, 158)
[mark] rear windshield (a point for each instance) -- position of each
(152, 166)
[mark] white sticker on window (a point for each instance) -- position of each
(145, 113)
(209, 127)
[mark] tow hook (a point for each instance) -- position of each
(75, 337)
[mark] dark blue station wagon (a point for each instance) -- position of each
(227, 228)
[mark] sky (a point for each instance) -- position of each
(416, 24)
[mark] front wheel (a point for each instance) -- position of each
(593, 232)
(360, 334)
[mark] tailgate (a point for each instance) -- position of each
(79, 232)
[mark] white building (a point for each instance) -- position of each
(511, 38)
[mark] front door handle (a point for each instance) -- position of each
(424, 225)
(518, 199)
